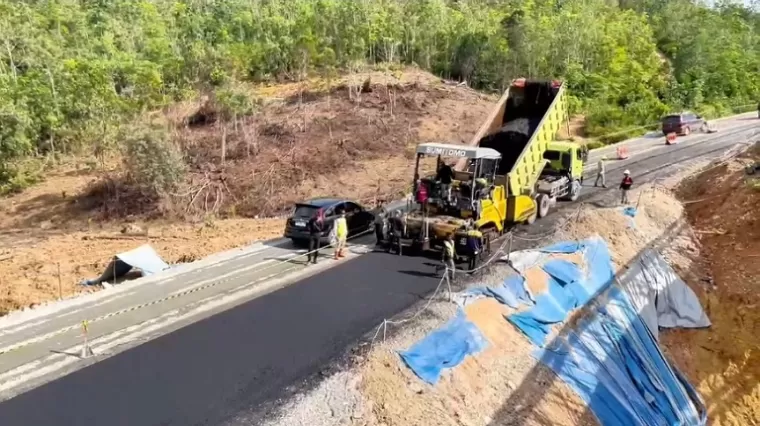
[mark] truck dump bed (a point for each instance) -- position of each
(522, 124)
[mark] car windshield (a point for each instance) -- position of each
(304, 211)
(672, 119)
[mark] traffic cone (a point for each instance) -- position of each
(670, 139)
(622, 153)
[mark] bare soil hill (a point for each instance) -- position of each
(724, 360)
(352, 138)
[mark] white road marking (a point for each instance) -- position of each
(101, 345)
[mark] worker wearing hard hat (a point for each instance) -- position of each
(474, 245)
(600, 170)
(625, 186)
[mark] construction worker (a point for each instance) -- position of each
(449, 255)
(395, 231)
(341, 233)
(625, 186)
(381, 223)
(421, 196)
(445, 176)
(474, 245)
(316, 226)
(600, 170)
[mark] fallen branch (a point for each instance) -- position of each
(717, 232)
(190, 205)
(128, 237)
(114, 237)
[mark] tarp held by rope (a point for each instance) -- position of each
(143, 258)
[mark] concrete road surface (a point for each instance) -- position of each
(213, 341)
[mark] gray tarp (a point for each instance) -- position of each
(143, 258)
(660, 295)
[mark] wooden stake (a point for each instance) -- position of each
(60, 287)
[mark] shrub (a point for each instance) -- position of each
(151, 160)
(591, 145)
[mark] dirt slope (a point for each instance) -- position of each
(724, 361)
(504, 385)
(311, 142)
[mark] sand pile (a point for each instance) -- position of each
(499, 385)
(658, 220)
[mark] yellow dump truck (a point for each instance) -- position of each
(536, 170)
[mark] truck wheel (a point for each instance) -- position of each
(575, 191)
(542, 201)
(532, 218)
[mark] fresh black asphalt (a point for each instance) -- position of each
(231, 362)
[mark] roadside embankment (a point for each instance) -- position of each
(723, 362)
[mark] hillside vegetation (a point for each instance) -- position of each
(73, 73)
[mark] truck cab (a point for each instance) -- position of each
(565, 158)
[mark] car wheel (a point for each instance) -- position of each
(687, 131)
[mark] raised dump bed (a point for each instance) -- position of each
(536, 170)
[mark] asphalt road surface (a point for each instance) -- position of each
(231, 362)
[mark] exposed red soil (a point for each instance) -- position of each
(724, 360)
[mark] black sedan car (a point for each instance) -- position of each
(358, 218)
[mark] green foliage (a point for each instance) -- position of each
(591, 145)
(71, 71)
(232, 102)
(151, 160)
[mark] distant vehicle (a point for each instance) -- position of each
(358, 218)
(684, 123)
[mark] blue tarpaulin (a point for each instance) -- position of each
(511, 292)
(563, 247)
(569, 287)
(444, 348)
(612, 360)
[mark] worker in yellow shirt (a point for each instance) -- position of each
(449, 255)
(341, 233)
